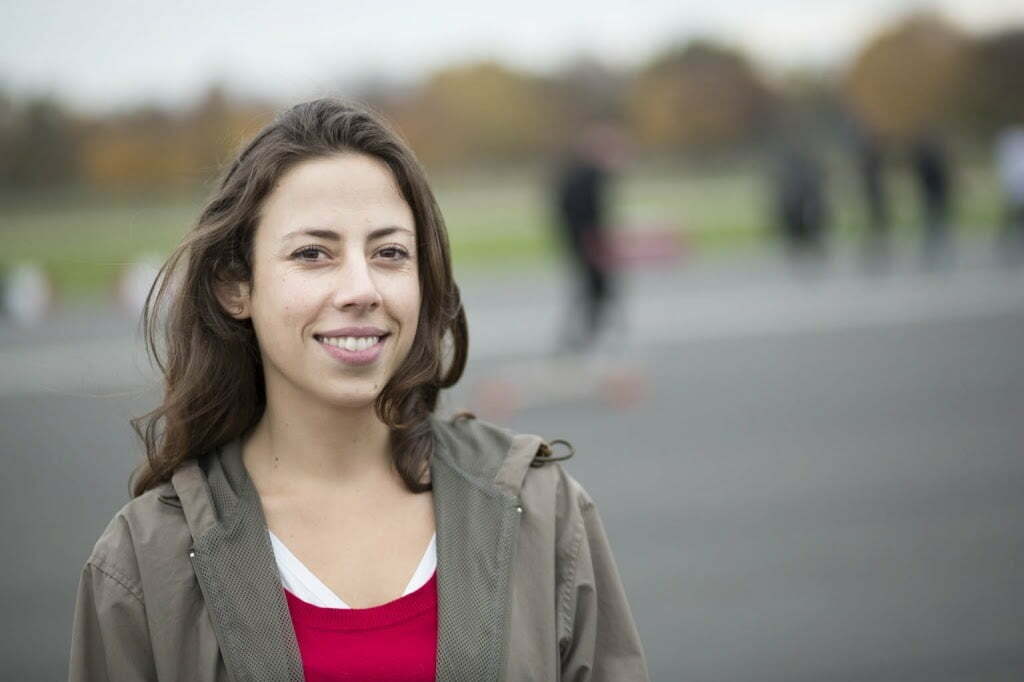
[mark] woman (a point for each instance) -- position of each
(296, 475)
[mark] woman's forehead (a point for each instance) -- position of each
(343, 193)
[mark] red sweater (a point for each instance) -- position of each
(396, 641)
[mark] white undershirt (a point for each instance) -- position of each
(301, 582)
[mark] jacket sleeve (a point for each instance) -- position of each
(109, 637)
(599, 639)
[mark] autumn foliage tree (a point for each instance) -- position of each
(910, 78)
(701, 97)
(478, 112)
(153, 147)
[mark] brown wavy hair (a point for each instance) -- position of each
(211, 365)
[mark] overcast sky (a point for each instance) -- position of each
(103, 55)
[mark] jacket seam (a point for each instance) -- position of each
(570, 581)
(510, 529)
(113, 574)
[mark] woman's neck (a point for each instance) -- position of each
(312, 446)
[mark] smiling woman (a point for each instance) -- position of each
(301, 512)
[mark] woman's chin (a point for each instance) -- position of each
(352, 399)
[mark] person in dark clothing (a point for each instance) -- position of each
(802, 207)
(871, 166)
(932, 171)
(582, 207)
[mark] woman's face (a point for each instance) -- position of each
(335, 293)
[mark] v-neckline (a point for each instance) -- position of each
(295, 574)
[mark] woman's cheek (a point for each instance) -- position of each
(294, 295)
(405, 291)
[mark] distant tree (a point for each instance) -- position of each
(586, 89)
(8, 128)
(143, 148)
(152, 147)
(218, 124)
(909, 78)
(478, 112)
(701, 97)
(209, 128)
(377, 91)
(38, 144)
(997, 83)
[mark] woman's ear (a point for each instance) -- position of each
(234, 298)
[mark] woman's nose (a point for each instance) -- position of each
(356, 288)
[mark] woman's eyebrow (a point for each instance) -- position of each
(313, 232)
(389, 230)
(331, 235)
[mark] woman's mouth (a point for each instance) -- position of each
(353, 350)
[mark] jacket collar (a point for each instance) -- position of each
(477, 525)
(477, 513)
(234, 565)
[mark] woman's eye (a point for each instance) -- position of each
(308, 253)
(393, 253)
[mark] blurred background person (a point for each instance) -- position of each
(870, 159)
(582, 200)
(802, 210)
(1010, 165)
(931, 167)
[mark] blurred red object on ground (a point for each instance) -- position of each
(646, 246)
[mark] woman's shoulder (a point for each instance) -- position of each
(511, 460)
(472, 444)
(148, 530)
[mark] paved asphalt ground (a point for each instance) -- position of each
(824, 481)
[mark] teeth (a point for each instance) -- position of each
(353, 343)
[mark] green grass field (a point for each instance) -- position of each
(495, 221)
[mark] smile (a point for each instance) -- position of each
(351, 342)
(353, 350)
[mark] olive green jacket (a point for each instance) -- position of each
(183, 585)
